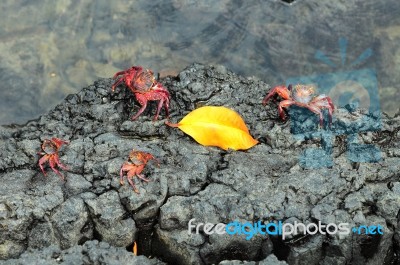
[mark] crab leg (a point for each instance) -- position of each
(52, 163)
(140, 111)
(43, 160)
(318, 111)
(129, 176)
(61, 165)
(166, 102)
(160, 104)
(163, 101)
(141, 176)
(125, 167)
(284, 104)
(119, 81)
(166, 106)
(323, 101)
(121, 73)
(143, 102)
(282, 91)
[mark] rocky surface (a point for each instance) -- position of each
(45, 218)
(91, 252)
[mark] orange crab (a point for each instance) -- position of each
(50, 153)
(145, 87)
(134, 167)
(303, 96)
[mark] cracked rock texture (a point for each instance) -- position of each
(45, 220)
(91, 252)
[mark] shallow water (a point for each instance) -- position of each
(50, 49)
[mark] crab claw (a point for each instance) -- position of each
(282, 91)
(58, 142)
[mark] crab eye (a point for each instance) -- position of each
(289, 87)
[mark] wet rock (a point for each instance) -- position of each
(69, 220)
(92, 252)
(110, 220)
(297, 173)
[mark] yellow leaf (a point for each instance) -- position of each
(217, 126)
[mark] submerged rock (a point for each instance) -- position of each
(345, 174)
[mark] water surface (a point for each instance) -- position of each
(50, 49)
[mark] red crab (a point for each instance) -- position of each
(50, 153)
(134, 166)
(303, 96)
(145, 87)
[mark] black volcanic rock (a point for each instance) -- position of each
(41, 216)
